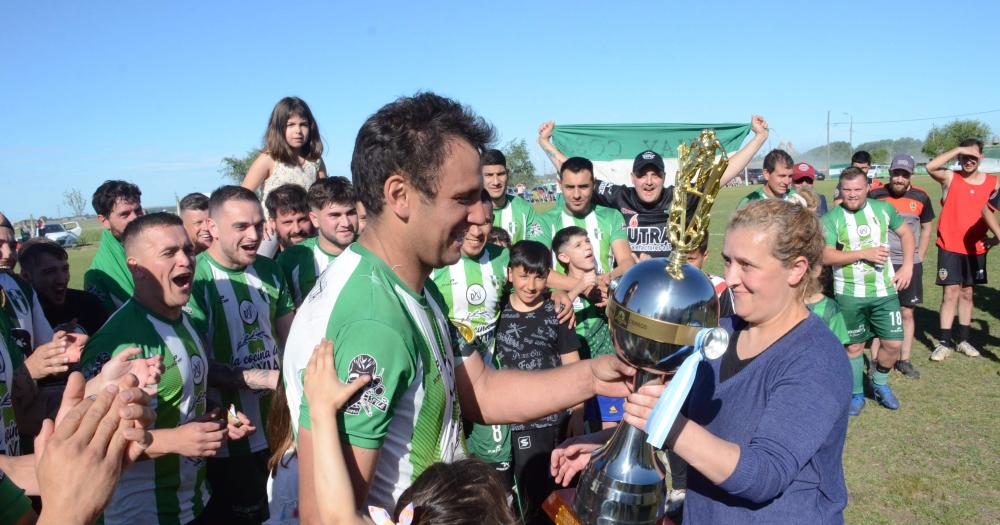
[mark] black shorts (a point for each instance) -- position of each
(914, 294)
(532, 450)
(239, 489)
(959, 268)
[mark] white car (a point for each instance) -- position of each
(66, 234)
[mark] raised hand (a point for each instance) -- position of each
(147, 370)
(758, 125)
(545, 130)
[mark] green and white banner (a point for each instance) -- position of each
(613, 147)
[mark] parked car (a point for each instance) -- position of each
(820, 175)
(755, 175)
(66, 234)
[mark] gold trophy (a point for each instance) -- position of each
(661, 311)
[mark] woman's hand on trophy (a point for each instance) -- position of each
(572, 455)
(639, 404)
(611, 376)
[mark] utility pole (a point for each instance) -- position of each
(828, 143)
(850, 132)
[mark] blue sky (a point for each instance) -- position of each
(157, 93)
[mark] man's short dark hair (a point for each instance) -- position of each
(775, 156)
(146, 222)
(851, 173)
(331, 190)
(112, 191)
(32, 251)
(499, 235)
(224, 194)
(194, 202)
(702, 248)
(972, 142)
(861, 157)
(576, 165)
(287, 198)
(493, 157)
(533, 256)
(410, 137)
(564, 235)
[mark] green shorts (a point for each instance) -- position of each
(490, 443)
(868, 317)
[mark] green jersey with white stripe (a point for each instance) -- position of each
(382, 328)
(827, 310)
(172, 488)
(29, 327)
(301, 264)
(108, 277)
(760, 194)
(13, 503)
(592, 328)
(515, 217)
(865, 228)
(235, 311)
(603, 227)
(471, 288)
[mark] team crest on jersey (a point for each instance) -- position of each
(248, 312)
(476, 294)
(372, 396)
(535, 229)
(197, 369)
(864, 230)
(942, 274)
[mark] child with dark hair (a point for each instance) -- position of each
(529, 336)
(499, 237)
(466, 491)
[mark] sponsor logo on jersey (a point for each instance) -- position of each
(372, 396)
(248, 312)
(197, 369)
(475, 294)
(523, 442)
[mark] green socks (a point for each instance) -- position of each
(858, 369)
(880, 376)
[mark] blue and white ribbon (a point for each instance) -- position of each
(669, 405)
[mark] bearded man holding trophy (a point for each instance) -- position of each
(756, 403)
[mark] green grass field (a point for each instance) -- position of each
(936, 459)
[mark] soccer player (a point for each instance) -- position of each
(288, 214)
(914, 206)
(334, 214)
(169, 488)
(604, 226)
(865, 283)
(960, 233)
(45, 266)
(472, 289)
(512, 213)
(416, 167)
(778, 172)
(646, 203)
(116, 203)
(193, 210)
(241, 305)
(30, 328)
(863, 161)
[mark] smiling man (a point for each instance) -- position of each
(416, 167)
(510, 212)
(117, 203)
(194, 212)
(778, 172)
(333, 212)
(45, 266)
(29, 327)
(288, 211)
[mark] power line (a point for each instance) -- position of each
(918, 119)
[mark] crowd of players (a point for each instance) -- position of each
(442, 290)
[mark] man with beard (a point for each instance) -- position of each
(960, 234)
(333, 212)
(646, 204)
(241, 305)
(512, 213)
(116, 203)
(288, 213)
(29, 326)
(914, 206)
(193, 209)
(865, 286)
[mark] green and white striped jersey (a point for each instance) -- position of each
(108, 277)
(301, 264)
(592, 328)
(29, 327)
(13, 503)
(170, 489)
(235, 311)
(827, 310)
(399, 337)
(515, 217)
(759, 194)
(866, 228)
(603, 226)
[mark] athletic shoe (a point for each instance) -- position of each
(941, 352)
(967, 349)
(883, 394)
(857, 405)
(907, 369)
(675, 501)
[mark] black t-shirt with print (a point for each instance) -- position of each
(646, 224)
(533, 341)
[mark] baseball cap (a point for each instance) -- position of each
(645, 159)
(902, 162)
(803, 171)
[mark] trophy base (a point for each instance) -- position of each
(559, 507)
